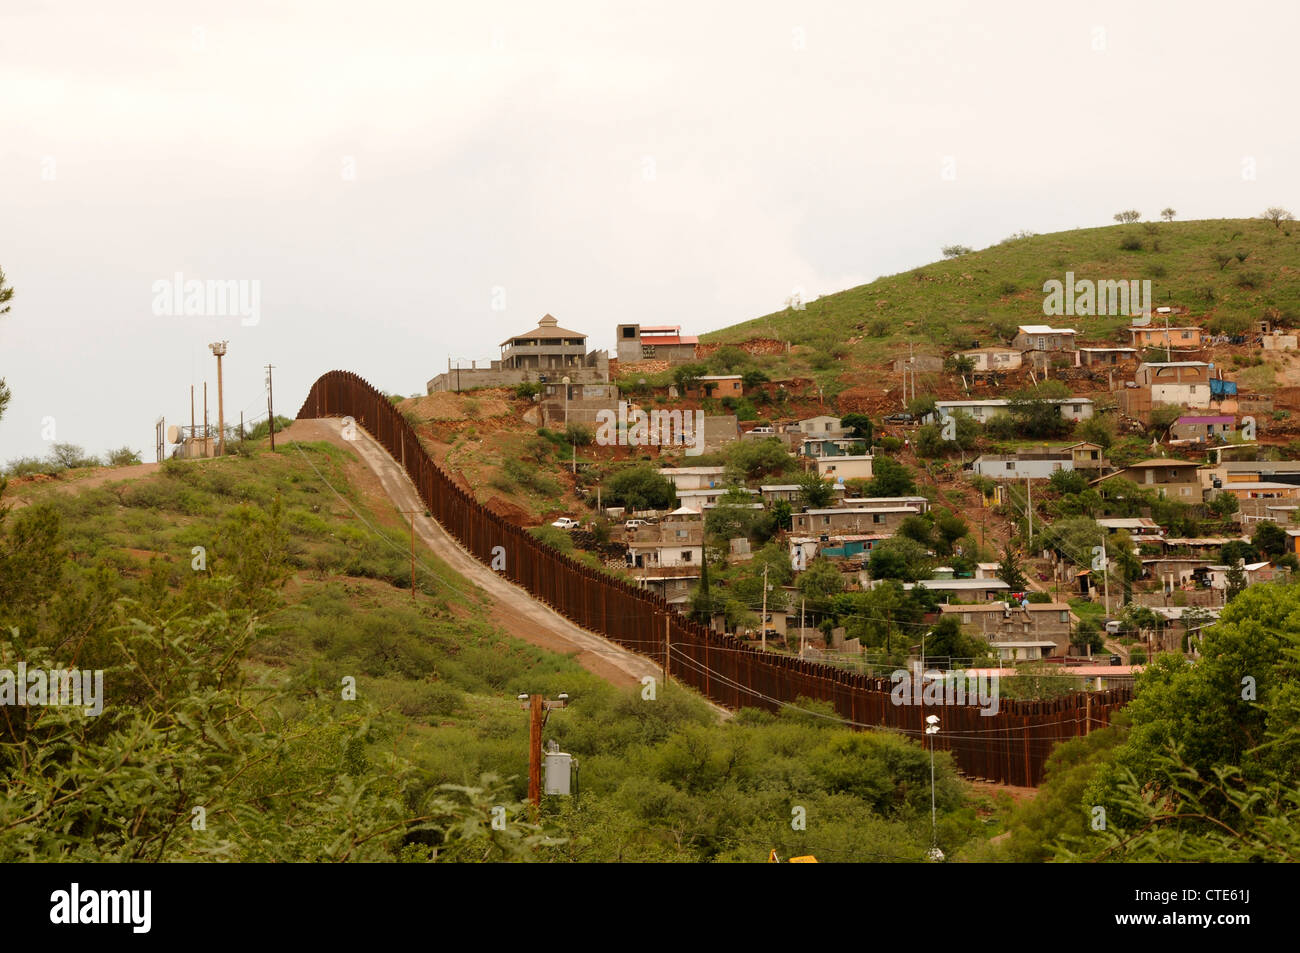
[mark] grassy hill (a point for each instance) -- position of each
(222, 690)
(983, 295)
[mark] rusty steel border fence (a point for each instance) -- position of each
(1010, 746)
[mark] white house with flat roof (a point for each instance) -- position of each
(856, 467)
(695, 478)
(1072, 408)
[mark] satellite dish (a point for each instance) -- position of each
(173, 434)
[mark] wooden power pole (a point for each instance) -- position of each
(270, 405)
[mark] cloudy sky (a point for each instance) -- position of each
(408, 182)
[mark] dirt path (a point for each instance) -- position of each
(513, 608)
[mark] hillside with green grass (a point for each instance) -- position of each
(263, 660)
(1226, 272)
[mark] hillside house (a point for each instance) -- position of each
(695, 478)
(717, 386)
(1203, 429)
(1102, 356)
(1071, 408)
(822, 426)
(994, 358)
(1022, 466)
(804, 549)
(920, 503)
(1088, 457)
(983, 590)
(545, 353)
(1181, 383)
(673, 584)
(703, 499)
(636, 342)
(667, 544)
(793, 493)
(1261, 490)
(1043, 625)
(1186, 339)
(1176, 479)
(850, 519)
(857, 467)
(1141, 529)
(832, 447)
(1042, 337)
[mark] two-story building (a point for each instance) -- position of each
(1181, 383)
(695, 478)
(548, 352)
(671, 543)
(637, 342)
(850, 519)
(1033, 630)
(1088, 457)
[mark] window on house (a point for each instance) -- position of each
(1011, 464)
(877, 517)
(826, 521)
(1065, 616)
(965, 618)
(686, 556)
(629, 332)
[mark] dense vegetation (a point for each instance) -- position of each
(226, 684)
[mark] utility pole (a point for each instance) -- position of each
(763, 620)
(802, 602)
(1105, 573)
(270, 405)
(193, 425)
(668, 648)
(218, 348)
(539, 709)
(535, 704)
(207, 431)
(1029, 507)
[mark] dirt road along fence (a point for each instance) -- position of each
(1009, 746)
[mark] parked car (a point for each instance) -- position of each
(565, 522)
(630, 525)
(899, 419)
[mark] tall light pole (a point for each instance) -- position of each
(219, 349)
(935, 854)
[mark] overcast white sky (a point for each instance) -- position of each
(662, 162)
